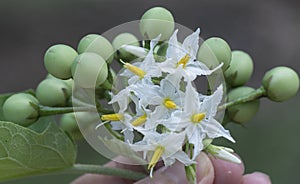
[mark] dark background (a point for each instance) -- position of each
(268, 30)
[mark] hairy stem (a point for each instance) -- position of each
(258, 93)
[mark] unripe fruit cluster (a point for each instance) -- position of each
(88, 67)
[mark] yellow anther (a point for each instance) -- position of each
(169, 104)
(184, 61)
(112, 117)
(156, 156)
(136, 70)
(140, 120)
(196, 118)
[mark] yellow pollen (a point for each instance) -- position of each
(112, 117)
(156, 156)
(136, 70)
(169, 104)
(140, 120)
(184, 61)
(196, 118)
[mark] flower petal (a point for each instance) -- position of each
(191, 43)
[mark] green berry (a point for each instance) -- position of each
(17, 108)
(240, 69)
(215, 51)
(244, 112)
(89, 70)
(68, 122)
(124, 39)
(53, 92)
(281, 83)
(96, 44)
(58, 60)
(155, 21)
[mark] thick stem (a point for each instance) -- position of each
(258, 93)
(97, 169)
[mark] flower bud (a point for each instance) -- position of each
(124, 39)
(244, 112)
(96, 44)
(53, 92)
(215, 51)
(58, 60)
(89, 70)
(155, 21)
(240, 69)
(18, 109)
(281, 83)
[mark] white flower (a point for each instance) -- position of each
(181, 59)
(167, 146)
(165, 97)
(146, 69)
(197, 118)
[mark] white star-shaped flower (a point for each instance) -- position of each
(181, 59)
(197, 118)
(167, 146)
(164, 97)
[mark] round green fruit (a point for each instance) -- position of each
(281, 83)
(124, 39)
(58, 60)
(17, 108)
(68, 122)
(96, 44)
(53, 93)
(244, 112)
(155, 21)
(240, 69)
(89, 70)
(215, 51)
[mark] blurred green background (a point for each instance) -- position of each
(268, 30)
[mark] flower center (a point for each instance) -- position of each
(184, 60)
(156, 156)
(169, 104)
(140, 120)
(112, 117)
(197, 118)
(136, 70)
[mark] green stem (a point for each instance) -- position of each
(258, 93)
(96, 169)
(114, 133)
(49, 111)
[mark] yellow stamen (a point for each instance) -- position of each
(112, 117)
(169, 104)
(140, 120)
(156, 156)
(136, 70)
(184, 61)
(196, 118)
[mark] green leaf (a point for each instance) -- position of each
(39, 149)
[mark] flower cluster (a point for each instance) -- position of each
(168, 111)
